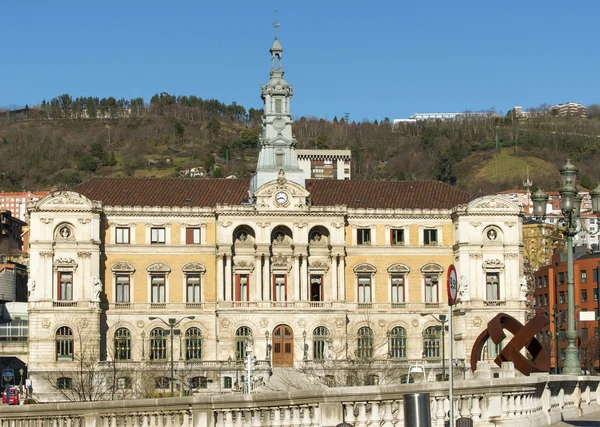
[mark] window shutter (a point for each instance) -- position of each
(285, 287)
(274, 289)
(247, 287)
(189, 236)
(237, 287)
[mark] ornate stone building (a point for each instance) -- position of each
(304, 271)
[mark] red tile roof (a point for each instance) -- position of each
(210, 192)
(165, 191)
(386, 194)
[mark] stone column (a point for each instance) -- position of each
(258, 277)
(267, 278)
(220, 294)
(228, 272)
(342, 279)
(297, 287)
(334, 277)
(304, 278)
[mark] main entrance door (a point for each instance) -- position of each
(283, 346)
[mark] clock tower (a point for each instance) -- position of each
(276, 143)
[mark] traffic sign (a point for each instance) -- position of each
(452, 285)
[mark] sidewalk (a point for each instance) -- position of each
(592, 420)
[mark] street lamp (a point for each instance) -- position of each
(305, 357)
(172, 323)
(555, 321)
(570, 204)
(442, 320)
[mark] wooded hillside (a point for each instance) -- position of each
(64, 142)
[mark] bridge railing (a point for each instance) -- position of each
(537, 400)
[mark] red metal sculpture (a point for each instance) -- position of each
(523, 336)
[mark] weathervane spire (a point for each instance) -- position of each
(276, 25)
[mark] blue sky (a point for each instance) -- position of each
(370, 59)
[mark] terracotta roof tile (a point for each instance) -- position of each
(386, 194)
(210, 192)
(165, 191)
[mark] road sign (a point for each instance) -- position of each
(452, 285)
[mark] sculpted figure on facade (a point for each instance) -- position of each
(97, 287)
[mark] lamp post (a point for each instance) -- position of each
(172, 323)
(442, 320)
(555, 321)
(304, 348)
(570, 205)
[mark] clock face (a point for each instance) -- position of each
(281, 198)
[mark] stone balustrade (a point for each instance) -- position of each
(538, 400)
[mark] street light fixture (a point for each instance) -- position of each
(570, 204)
(442, 320)
(172, 323)
(555, 321)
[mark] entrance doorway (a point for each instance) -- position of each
(283, 346)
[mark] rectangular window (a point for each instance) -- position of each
(545, 281)
(397, 288)
(430, 237)
(595, 294)
(595, 275)
(561, 278)
(157, 236)
(493, 349)
(278, 106)
(561, 297)
(192, 282)
(583, 276)
(122, 235)
(158, 287)
(584, 334)
(122, 288)
(492, 286)
(279, 288)
(241, 287)
(545, 299)
(65, 286)
(364, 288)
(192, 236)
(431, 288)
(279, 159)
(397, 237)
(363, 236)
(315, 287)
(539, 282)
(584, 295)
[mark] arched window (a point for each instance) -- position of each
(158, 344)
(64, 343)
(242, 336)
(320, 338)
(193, 344)
(364, 346)
(122, 344)
(397, 343)
(431, 342)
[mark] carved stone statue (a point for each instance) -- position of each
(463, 288)
(31, 286)
(97, 287)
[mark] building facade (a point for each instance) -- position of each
(299, 272)
(325, 164)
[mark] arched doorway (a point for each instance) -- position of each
(283, 346)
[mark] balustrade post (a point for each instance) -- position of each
(361, 420)
(238, 418)
(317, 415)
(400, 419)
(388, 417)
(287, 417)
(375, 417)
(247, 417)
(476, 408)
(504, 406)
(306, 421)
(276, 417)
(441, 411)
(465, 411)
(349, 412)
(92, 420)
(296, 416)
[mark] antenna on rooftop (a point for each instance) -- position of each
(527, 184)
(276, 25)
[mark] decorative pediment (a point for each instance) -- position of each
(493, 203)
(398, 268)
(493, 263)
(65, 200)
(243, 265)
(365, 268)
(65, 263)
(193, 267)
(158, 267)
(279, 261)
(281, 194)
(432, 268)
(318, 265)
(123, 267)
